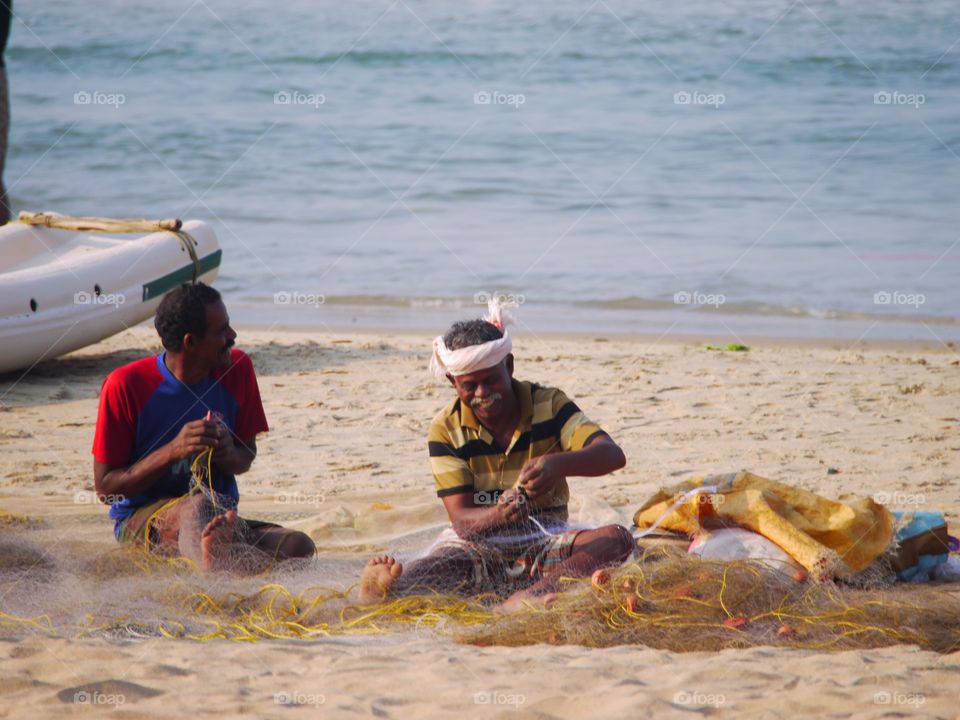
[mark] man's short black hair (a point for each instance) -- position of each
(467, 333)
(183, 310)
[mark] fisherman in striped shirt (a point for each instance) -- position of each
(501, 454)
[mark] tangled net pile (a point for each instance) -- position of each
(663, 600)
(670, 601)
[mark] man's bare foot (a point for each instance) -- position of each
(378, 577)
(216, 539)
(526, 600)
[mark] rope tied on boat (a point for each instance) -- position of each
(190, 245)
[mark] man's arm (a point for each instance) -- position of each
(601, 456)
(471, 520)
(117, 481)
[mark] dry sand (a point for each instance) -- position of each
(348, 414)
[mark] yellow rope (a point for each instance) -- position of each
(32, 622)
(198, 476)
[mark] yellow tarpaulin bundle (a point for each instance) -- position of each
(824, 536)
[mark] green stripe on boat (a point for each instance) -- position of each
(158, 287)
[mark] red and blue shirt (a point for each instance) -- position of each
(143, 406)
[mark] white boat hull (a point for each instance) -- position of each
(62, 290)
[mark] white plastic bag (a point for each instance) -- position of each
(739, 544)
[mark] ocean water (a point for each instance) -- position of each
(762, 167)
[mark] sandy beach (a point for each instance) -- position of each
(345, 461)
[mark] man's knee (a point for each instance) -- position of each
(608, 545)
(620, 542)
(626, 545)
(197, 506)
(296, 544)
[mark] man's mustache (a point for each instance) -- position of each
(486, 401)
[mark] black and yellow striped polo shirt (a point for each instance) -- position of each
(465, 457)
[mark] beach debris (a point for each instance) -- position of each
(732, 347)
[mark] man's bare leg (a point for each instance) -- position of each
(282, 543)
(194, 529)
(222, 549)
(592, 549)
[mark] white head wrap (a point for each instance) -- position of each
(476, 357)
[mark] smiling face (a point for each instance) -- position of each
(486, 391)
(212, 349)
